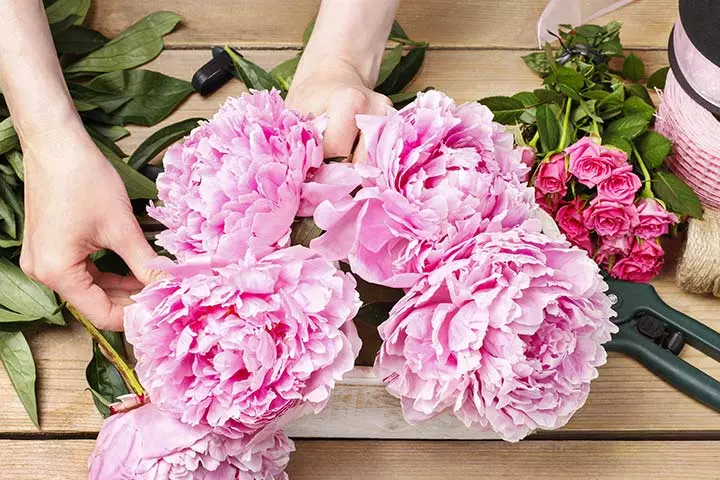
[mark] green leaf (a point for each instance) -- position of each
(160, 140)
(374, 314)
(569, 92)
(304, 231)
(135, 46)
(404, 73)
(629, 127)
(59, 27)
(676, 194)
(397, 31)
(79, 40)
(548, 128)
(389, 62)
(653, 149)
(7, 316)
(251, 74)
(11, 210)
(154, 96)
(62, 9)
(528, 99)
(107, 102)
(657, 79)
(136, 184)
(102, 376)
(17, 359)
(308, 30)
(633, 68)
(637, 106)
(637, 90)
(570, 77)
(7, 219)
(538, 63)
(285, 72)
(15, 159)
(618, 142)
(548, 96)
(111, 132)
(23, 295)
(507, 110)
(8, 137)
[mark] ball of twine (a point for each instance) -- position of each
(695, 133)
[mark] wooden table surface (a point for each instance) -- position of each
(633, 426)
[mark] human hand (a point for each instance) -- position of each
(75, 205)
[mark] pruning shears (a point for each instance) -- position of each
(654, 334)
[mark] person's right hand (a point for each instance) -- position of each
(75, 205)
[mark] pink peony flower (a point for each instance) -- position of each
(237, 346)
(610, 219)
(653, 220)
(436, 175)
(551, 177)
(149, 443)
(621, 186)
(507, 335)
(570, 221)
(592, 163)
(642, 264)
(235, 183)
(612, 248)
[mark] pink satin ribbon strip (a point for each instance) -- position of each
(572, 12)
(701, 74)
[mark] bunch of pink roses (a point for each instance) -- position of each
(602, 207)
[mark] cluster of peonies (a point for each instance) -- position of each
(500, 324)
(245, 332)
(596, 200)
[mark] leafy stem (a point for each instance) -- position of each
(566, 124)
(113, 356)
(647, 190)
(533, 141)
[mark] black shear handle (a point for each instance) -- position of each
(667, 366)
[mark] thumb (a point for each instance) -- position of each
(130, 243)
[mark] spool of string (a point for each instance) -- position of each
(687, 115)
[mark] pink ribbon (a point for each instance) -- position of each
(572, 12)
(700, 73)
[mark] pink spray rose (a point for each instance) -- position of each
(527, 158)
(549, 203)
(621, 186)
(148, 443)
(237, 346)
(507, 334)
(611, 249)
(436, 175)
(610, 219)
(235, 183)
(552, 176)
(570, 221)
(653, 220)
(592, 163)
(643, 264)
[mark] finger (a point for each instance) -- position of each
(129, 242)
(108, 281)
(342, 130)
(92, 301)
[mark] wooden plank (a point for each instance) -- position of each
(330, 460)
(444, 23)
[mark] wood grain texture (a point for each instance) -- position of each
(444, 23)
(330, 460)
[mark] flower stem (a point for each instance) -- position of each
(533, 141)
(113, 356)
(566, 124)
(647, 190)
(596, 129)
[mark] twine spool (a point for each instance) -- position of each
(691, 90)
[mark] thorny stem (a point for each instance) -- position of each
(113, 356)
(647, 190)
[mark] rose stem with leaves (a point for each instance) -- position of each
(113, 356)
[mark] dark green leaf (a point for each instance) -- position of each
(62, 9)
(304, 231)
(59, 27)
(136, 184)
(528, 99)
(637, 90)
(637, 106)
(17, 359)
(103, 377)
(135, 46)
(548, 96)
(653, 149)
(16, 215)
(8, 137)
(389, 62)
(107, 102)
(657, 79)
(23, 295)
(548, 127)
(154, 96)
(15, 158)
(397, 31)
(570, 77)
(252, 75)
(111, 132)
(7, 219)
(676, 194)
(569, 92)
(374, 314)
(285, 72)
(538, 63)
(79, 40)
(507, 110)
(633, 68)
(618, 142)
(403, 74)
(629, 127)
(160, 140)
